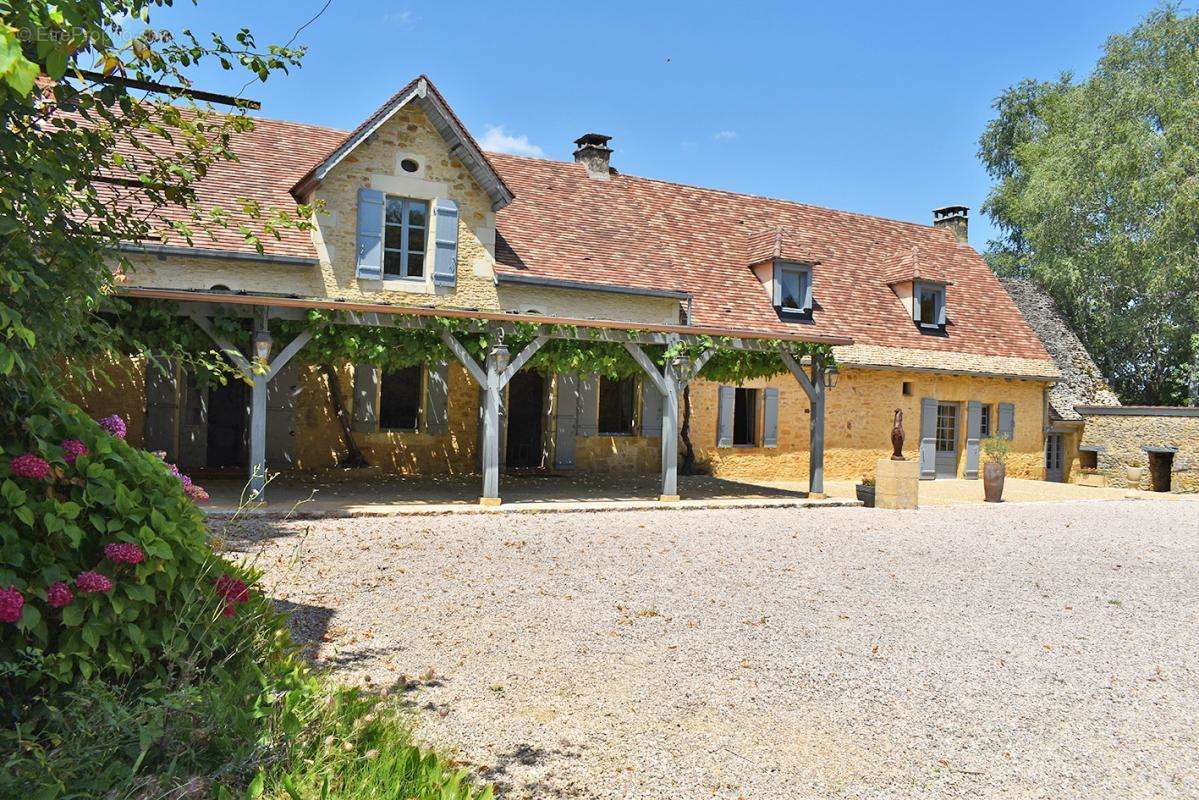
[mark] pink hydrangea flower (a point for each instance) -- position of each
(59, 594)
(29, 466)
(227, 610)
(124, 553)
(197, 494)
(232, 589)
(114, 425)
(92, 582)
(174, 470)
(11, 603)
(72, 449)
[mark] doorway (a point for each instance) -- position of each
(947, 439)
(1161, 464)
(1054, 462)
(526, 393)
(228, 414)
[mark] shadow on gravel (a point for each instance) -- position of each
(308, 624)
(507, 784)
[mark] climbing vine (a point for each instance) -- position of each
(155, 328)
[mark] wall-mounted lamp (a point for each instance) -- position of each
(262, 345)
(830, 376)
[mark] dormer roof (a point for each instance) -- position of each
(907, 265)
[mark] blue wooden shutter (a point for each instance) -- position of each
(973, 434)
(928, 438)
(370, 234)
(651, 409)
(445, 259)
(724, 416)
(437, 399)
(587, 408)
(366, 398)
(807, 290)
(566, 414)
(770, 418)
(1007, 420)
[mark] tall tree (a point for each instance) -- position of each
(1097, 196)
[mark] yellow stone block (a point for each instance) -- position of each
(896, 483)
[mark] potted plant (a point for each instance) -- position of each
(865, 491)
(995, 467)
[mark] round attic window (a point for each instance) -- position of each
(410, 165)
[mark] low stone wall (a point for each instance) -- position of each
(1124, 432)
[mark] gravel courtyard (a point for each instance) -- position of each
(1016, 650)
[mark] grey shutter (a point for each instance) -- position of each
(1007, 420)
(566, 414)
(437, 399)
(366, 398)
(928, 438)
(162, 406)
(778, 286)
(445, 257)
(942, 304)
(974, 419)
(651, 408)
(770, 418)
(281, 394)
(807, 290)
(916, 301)
(724, 416)
(193, 423)
(587, 408)
(370, 234)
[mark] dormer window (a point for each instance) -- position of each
(928, 310)
(793, 289)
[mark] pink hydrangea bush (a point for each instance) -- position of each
(196, 494)
(234, 591)
(11, 604)
(58, 595)
(123, 553)
(114, 425)
(29, 465)
(91, 582)
(73, 449)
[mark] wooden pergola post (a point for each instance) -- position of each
(492, 378)
(813, 387)
(259, 379)
(675, 375)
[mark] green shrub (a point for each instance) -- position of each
(997, 448)
(161, 613)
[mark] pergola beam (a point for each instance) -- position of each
(814, 388)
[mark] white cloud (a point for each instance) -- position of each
(496, 140)
(403, 19)
(724, 136)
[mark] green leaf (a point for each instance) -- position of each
(72, 615)
(254, 790)
(25, 514)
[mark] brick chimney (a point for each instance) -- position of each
(956, 218)
(593, 151)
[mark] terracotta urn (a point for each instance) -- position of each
(993, 474)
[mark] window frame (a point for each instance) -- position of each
(420, 401)
(806, 289)
(635, 385)
(752, 415)
(406, 227)
(986, 421)
(940, 309)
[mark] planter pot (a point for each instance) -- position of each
(993, 474)
(1134, 475)
(866, 495)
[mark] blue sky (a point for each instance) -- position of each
(870, 107)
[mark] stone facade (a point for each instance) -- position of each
(584, 304)
(1123, 437)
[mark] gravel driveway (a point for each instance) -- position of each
(1018, 650)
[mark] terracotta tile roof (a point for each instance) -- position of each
(785, 244)
(652, 234)
(907, 265)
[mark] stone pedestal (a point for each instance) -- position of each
(896, 483)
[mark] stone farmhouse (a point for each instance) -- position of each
(418, 220)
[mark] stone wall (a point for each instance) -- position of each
(119, 387)
(1122, 437)
(586, 304)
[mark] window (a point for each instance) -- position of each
(1088, 459)
(929, 307)
(947, 428)
(616, 405)
(792, 293)
(745, 417)
(405, 228)
(907, 388)
(984, 421)
(410, 165)
(399, 399)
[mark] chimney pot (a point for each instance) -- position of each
(956, 218)
(593, 152)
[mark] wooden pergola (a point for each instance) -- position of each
(498, 367)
